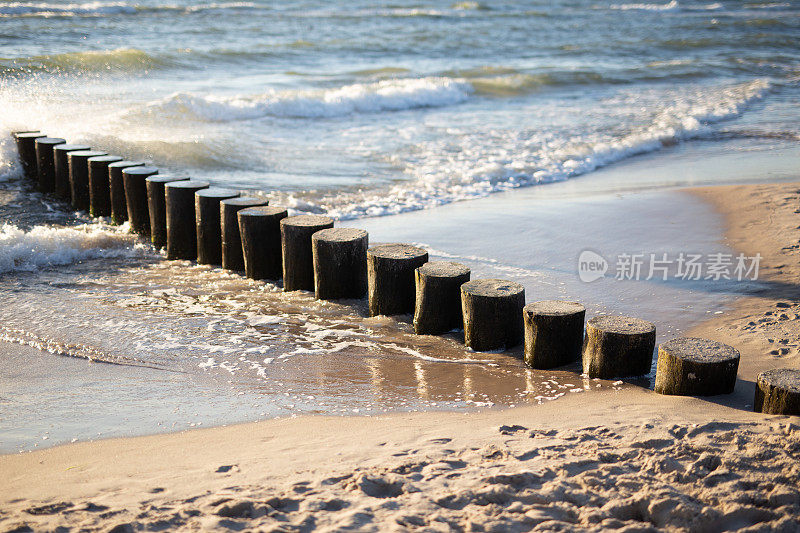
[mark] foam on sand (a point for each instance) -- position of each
(44, 246)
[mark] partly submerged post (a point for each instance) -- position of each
(298, 261)
(553, 333)
(232, 257)
(438, 298)
(618, 346)
(99, 195)
(61, 152)
(689, 366)
(116, 189)
(778, 392)
(134, 180)
(390, 278)
(45, 162)
(492, 314)
(208, 222)
(79, 177)
(340, 263)
(181, 225)
(260, 229)
(26, 146)
(157, 207)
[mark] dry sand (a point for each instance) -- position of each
(625, 459)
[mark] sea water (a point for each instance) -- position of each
(359, 110)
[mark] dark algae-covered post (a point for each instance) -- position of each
(492, 314)
(553, 333)
(61, 185)
(340, 263)
(116, 190)
(157, 207)
(208, 222)
(390, 278)
(618, 346)
(99, 195)
(260, 229)
(79, 177)
(438, 297)
(45, 162)
(778, 392)
(298, 261)
(181, 220)
(689, 366)
(232, 258)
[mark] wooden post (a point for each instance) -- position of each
(778, 392)
(492, 314)
(209, 233)
(298, 260)
(157, 207)
(553, 333)
(79, 177)
(340, 263)
(232, 258)
(26, 146)
(181, 226)
(99, 195)
(116, 189)
(438, 300)
(689, 366)
(61, 169)
(618, 346)
(390, 278)
(260, 229)
(45, 163)
(134, 180)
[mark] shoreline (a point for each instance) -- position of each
(531, 466)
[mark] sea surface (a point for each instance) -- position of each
(364, 111)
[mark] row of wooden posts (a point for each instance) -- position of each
(217, 226)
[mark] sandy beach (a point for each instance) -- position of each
(623, 458)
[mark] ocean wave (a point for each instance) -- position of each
(122, 59)
(670, 6)
(46, 246)
(100, 9)
(484, 164)
(388, 95)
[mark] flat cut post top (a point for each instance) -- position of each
(163, 178)
(50, 140)
(140, 171)
(29, 135)
(787, 379)
(699, 350)
(187, 184)
(72, 147)
(217, 192)
(492, 288)
(306, 220)
(121, 164)
(105, 159)
(554, 308)
(339, 234)
(262, 211)
(244, 201)
(443, 269)
(396, 251)
(622, 325)
(86, 153)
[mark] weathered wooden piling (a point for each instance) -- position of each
(134, 180)
(689, 366)
(618, 346)
(232, 257)
(79, 177)
(62, 188)
(45, 163)
(208, 222)
(26, 147)
(157, 207)
(181, 225)
(260, 229)
(553, 333)
(298, 260)
(340, 263)
(492, 314)
(116, 189)
(778, 392)
(99, 195)
(390, 278)
(438, 297)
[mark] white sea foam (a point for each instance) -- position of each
(99, 9)
(670, 6)
(498, 161)
(388, 95)
(44, 246)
